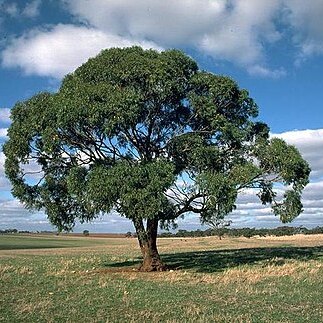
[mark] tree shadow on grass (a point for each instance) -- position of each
(219, 260)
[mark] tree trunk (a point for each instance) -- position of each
(148, 244)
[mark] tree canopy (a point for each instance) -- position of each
(151, 136)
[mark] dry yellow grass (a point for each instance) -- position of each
(211, 243)
(242, 275)
(212, 280)
(170, 245)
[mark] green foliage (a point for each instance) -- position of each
(151, 136)
(289, 207)
(280, 158)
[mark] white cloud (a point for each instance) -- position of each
(2, 158)
(14, 215)
(112, 222)
(305, 17)
(237, 31)
(10, 205)
(252, 213)
(313, 193)
(263, 71)
(310, 145)
(10, 9)
(4, 115)
(166, 22)
(4, 183)
(3, 133)
(31, 9)
(234, 31)
(240, 33)
(227, 30)
(59, 50)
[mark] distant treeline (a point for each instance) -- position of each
(6, 231)
(220, 232)
(244, 232)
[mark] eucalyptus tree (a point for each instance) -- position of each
(148, 135)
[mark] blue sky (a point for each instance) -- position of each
(274, 48)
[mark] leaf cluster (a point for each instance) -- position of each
(149, 135)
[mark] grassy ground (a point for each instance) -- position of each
(28, 241)
(94, 280)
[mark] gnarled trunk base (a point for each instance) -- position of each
(152, 262)
(148, 244)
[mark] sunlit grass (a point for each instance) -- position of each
(232, 280)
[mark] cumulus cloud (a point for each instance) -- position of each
(4, 115)
(167, 22)
(234, 31)
(2, 158)
(59, 50)
(306, 21)
(10, 9)
(237, 31)
(313, 193)
(252, 213)
(259, 70)
(14, 215)
(238, 34)
(310, 145)
(107, 223)
(4, 183)
(3, 133)
(32, 9)
(15, 10)
(226, 30)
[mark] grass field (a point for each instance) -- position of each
(76, 279)
(28, 241)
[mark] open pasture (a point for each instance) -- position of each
(89, 279)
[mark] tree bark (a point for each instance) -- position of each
(147, 239)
